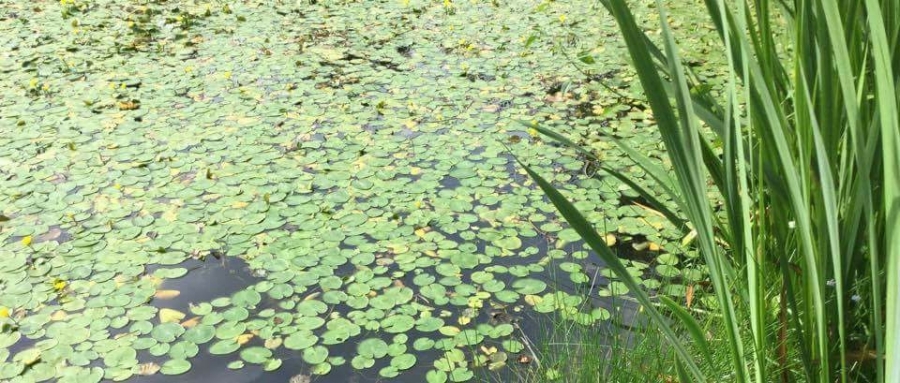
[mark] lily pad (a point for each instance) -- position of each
(403, 362)
(300, 340)
(256, 355)
(315, 355)
(224, 347)
(529, 286)
(175, 367)
(167, 332)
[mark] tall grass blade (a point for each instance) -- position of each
(685, 151)
(842, 60)
(737, 197)
(659, 176)
(694, 187)
(690, 324)
(888, 109)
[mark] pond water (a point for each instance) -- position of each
(309, 191)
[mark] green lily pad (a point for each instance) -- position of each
(300, 340)
(389, 372)
(321, 369)
(224, 347)
(429, 324)
(256, 355)
(465, 260)
(461, 374)
(175, 367)
(167, 332)
(509, 243)
(229, 330)
(200, 334)
(436, 376)
(9, 338)
(246, 298)
(361, 362)
(373, 348)
(529, 286)
(397, 323)
(468, 337)
(513, 346)
(315, 354)
(121, 357)
(403, 362)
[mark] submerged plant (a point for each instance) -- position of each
(802, 147)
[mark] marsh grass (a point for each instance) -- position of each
(623, 349)
(802, 146)
(615, 352)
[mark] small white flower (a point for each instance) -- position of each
(792, 224)
(856, 298)
(831, 283)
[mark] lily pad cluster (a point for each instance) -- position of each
(356, 158)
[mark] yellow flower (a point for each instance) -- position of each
(562, 18)
(59, 284)
(4, 312)
(26, 240)
(447, 3)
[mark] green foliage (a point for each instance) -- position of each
(801, 147)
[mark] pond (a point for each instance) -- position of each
(308, 191)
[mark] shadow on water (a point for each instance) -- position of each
(205, 281)
(214, 278)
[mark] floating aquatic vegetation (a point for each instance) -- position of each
(350, 163)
